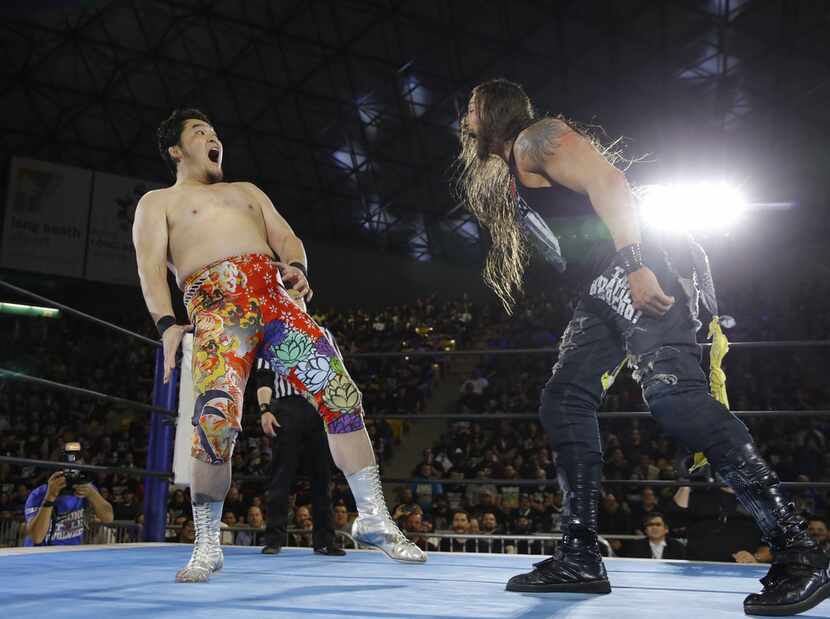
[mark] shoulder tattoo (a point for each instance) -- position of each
(541, 140)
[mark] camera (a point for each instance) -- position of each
(72, 455)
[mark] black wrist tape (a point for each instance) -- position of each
(631, 258)
(164, 323)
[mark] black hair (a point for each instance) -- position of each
(169, 132)
(652, 516)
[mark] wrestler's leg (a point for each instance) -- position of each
(666, 358)
(299, 350)
(589, 349)
(222, 358)
(351, 451)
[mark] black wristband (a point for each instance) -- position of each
(631, 258)
(47, 503)
(164, 323)
(301, 266)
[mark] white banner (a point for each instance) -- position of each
(46, 218)
(182, 462)
(111, 255)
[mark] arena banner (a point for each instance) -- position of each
(45, 228)
(110, 257)
(184, 422)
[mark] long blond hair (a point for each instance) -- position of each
(482, 182)
(482, 179)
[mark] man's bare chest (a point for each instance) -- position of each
(211, 208)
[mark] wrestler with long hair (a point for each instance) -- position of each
(639, 304)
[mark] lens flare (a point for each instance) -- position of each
(692, 206)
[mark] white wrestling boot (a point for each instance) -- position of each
(374, 526)
(207, 555)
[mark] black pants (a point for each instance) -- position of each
(301, 436)
(666, 361)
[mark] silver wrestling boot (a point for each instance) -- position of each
(374, 526)
(207, 555)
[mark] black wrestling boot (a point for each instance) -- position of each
(576, 566)
(798, 579)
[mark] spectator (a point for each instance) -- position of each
(490, 526)
(55, 518)
(187, 534)
(441, 512)
(304, 524)
(228, 520)
(657, 544)
(234, 502)
(523, 509)
(255, 521)
(461, 526)
(128, 508)
(178, 505)
(424, 488)
(522, 525)
(614, 518)
(817, 527)
(647, 505)
(407, 504)
(342, 520)
(414, 527)
(554, 512)
(487, 503)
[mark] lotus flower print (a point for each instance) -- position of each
(341, 394)
(295, 347)
(314, 373)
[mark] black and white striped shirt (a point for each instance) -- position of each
(283, 388)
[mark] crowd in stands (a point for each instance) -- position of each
(35, 422)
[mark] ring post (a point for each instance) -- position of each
(159, 454)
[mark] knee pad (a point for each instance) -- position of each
(215, 435)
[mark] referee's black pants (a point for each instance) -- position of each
(301, 436)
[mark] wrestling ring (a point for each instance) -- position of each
(135, 579)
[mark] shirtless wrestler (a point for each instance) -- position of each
(219, 240)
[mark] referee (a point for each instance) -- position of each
(297, 430)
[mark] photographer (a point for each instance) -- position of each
(55, 510)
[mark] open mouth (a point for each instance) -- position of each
(213, 155)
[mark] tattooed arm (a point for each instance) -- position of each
(552, 149)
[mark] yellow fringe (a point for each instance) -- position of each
(717, 377)
(608, 378)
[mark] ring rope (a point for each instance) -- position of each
(93, 468)
(81, 314)
(13, 375)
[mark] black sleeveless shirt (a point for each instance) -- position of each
(584, 239)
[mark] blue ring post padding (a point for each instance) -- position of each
(159, 454)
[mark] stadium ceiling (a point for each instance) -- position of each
(345, 112)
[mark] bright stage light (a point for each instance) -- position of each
(693, 206)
